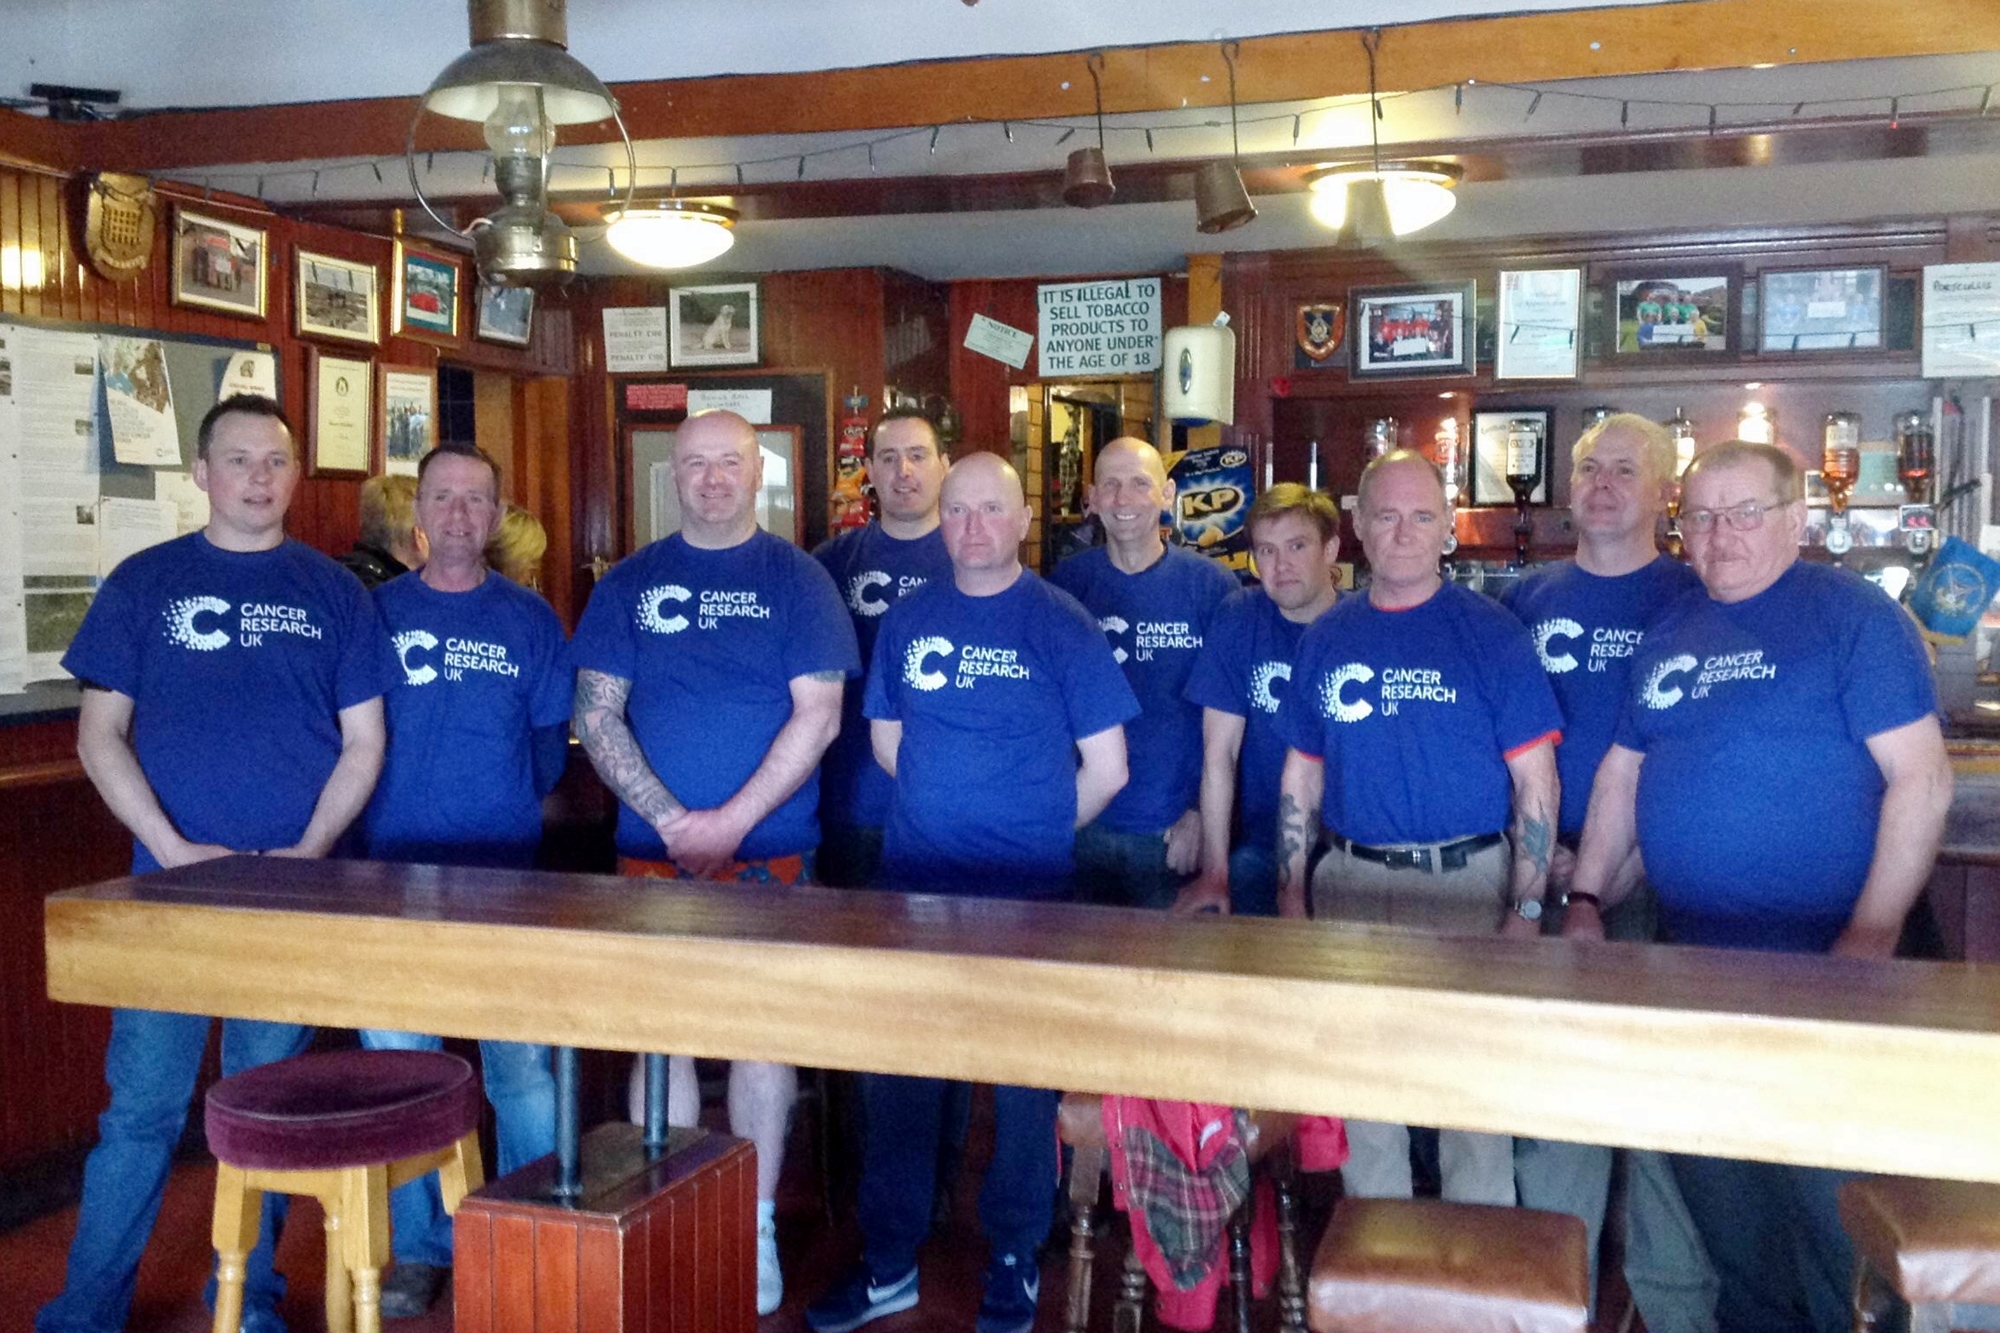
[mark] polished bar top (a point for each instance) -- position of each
(1828, 1061)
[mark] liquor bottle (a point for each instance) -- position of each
(1916, 455)
(1524, 471)
(1840, 457)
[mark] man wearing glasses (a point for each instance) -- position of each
(1780, 768)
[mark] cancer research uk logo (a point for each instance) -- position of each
(711, 608)
(1719, 669)
(862, 585)
(459, 657)
(1149, 638)
(1400, 685)
(973, 662)
(1606, 645)
(197, 623)
(1262, 696)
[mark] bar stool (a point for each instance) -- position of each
(1421, 1266)
(345, 1127)
(1080, 1126)
(1934, 1243)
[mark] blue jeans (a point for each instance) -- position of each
(899, 1168)
(522, 1089)
(1253, 881)
(151, 1067)
(1774, 1235)
(1124, 869)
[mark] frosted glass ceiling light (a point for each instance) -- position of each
(673, 233)
(1414, 194)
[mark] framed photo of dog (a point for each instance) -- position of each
(713, 326)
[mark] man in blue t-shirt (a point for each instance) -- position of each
(1153, 603)
(232, 702)
(1244, 669)
(1421, 732)
(710, 667)
(1780, 767)
(874, 567)
(476, 740)
(1587, 618)
(998, 710)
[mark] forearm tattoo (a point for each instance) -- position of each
(1531, 837)
(1295, 835)
(614, 750)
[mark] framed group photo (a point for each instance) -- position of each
(338, 298)
(424, 303)
(506, 315)
(1418, 329)
(713, 326)
(219, 265)
(1828, 309)
(1494, 433)
(408, 416)
(1674, 313)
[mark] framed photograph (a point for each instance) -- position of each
(425, 301)
(1540, 324)
(1420, 329)
(343, 416)
(338, 298)
(219, 265)
(1670, 314)
(408, 395)
(1493, 435)
(1825, 309)
(713, 326)
(506, 315)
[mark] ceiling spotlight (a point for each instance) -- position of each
(672, 233)
(1394, 199)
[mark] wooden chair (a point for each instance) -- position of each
(1080, 1125)
(1932, 1243)
(344, 1127)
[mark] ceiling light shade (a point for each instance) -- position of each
(1220, 201)
(1087, 179)
(1411, 195)
(469, 88)
(673, 233)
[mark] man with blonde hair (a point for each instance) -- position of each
(389, 543)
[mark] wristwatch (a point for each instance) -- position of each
(1528, 909)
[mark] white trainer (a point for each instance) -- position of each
(770, 1279)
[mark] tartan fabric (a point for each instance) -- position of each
(1186, 1209)
(775, 870)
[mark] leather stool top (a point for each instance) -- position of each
(1403, 1266)
(341, 1109)
(1080, 1124)
(1934, 1240)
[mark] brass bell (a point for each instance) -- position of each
(1087, 179)
(1220, 201)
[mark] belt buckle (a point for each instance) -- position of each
(1410, 858)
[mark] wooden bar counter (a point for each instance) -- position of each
(1876, 1066)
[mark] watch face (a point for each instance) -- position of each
(1529, 909)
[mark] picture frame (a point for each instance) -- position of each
(1411, 330)
(1822, 309)
(406, 415)
(506, 315)
(220, 265)
(425, 298)
(1540, 324)
(1490, 430)
(337, 298)
(713, 326)
(342, 394)
(1687, 314)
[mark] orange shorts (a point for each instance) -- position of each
(774, 870)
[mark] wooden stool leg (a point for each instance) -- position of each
(460, 1173)
(1291, 1289)
(1086, 1178)
(365, 1225)
(1130, 1313)
(1239, 1265)
(339, 1286)
(238, 1209)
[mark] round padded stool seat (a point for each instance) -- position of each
(341, 1109)
(1936, 1241)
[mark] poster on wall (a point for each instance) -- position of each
(1540, 313)
(140, 402)
(1961, 307)
(635, 339)
(1213, 488)
(1099, 328)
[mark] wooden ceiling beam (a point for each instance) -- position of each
(1535, 47)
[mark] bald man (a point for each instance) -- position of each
(1154, 604)
(998, 711)
(710, 672)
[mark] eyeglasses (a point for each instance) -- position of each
(1746, 517)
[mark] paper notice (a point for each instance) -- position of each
(140, 402)
(635, 339)
(1003, 342)
(252, 373)
(55, 395)
(753, 405)
(189, 500)
(1961, 306)
(13, 626)
(126, 527)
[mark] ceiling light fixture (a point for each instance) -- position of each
(1087, 177)
(1375, 202)
(1220, 201)
(672, 233)
(520, 82)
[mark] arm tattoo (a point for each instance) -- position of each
(1294, 837)
(1532, 836)
(614, 750)
(830, 677)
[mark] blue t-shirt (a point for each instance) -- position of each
(1245, 668)
(873, 571)
(1415, 712)
(1155, 621)
(993, 694)
(1585, 629)
(1758, 798)
(711, 641)
(238, 664)
(480, 671)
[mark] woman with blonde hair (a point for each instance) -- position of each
(517, 547)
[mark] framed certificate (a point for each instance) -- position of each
(343, 417)
(1541, 313)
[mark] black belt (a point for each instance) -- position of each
(1450, 855)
